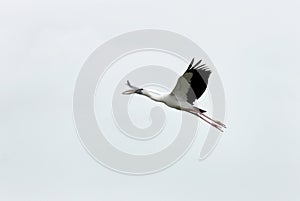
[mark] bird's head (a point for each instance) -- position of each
(133, 90)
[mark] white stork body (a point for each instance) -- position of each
(189, 87)
(169, 99)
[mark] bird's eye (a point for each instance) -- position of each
(139, 91)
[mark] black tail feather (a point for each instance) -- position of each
(200, 110)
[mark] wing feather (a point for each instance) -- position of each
(192, 84)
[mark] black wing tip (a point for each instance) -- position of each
(191, 64)
(195, 65)
(199, 66)
(198, 63)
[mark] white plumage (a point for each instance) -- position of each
(189, 87)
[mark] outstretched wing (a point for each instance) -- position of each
(192, 84)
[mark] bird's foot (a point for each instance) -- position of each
(221, 124)
(217, 127)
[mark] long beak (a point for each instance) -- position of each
(128, 92)
(132, 90)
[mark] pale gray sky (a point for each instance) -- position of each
(253, 44)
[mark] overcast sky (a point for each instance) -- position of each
(254, 46)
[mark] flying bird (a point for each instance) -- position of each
(189, 87)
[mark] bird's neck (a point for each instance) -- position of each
(156, 96)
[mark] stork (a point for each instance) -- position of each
(189, 87)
